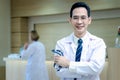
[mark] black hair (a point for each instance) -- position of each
(80, 4)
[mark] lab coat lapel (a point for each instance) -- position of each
(73, 46)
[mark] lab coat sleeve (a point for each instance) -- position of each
(26, 53)
(64, 72)
(92, 67)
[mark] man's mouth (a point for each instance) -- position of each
(79, 27)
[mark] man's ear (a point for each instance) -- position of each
(90, 20)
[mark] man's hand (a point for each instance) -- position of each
(62, 61)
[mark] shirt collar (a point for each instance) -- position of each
(75, 39)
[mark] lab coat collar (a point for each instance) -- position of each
(84, 38)
(70, 40)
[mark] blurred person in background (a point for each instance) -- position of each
(35, 53)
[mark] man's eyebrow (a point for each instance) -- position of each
(80, 16)
(75, 16)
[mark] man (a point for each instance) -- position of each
(92, 52)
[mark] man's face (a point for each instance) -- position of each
(80, 20)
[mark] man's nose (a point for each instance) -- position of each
(79, 20)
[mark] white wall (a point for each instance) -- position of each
(4, 29)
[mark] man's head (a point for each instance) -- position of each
(80, 18)
(80, 4)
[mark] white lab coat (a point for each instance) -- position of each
(36, 67)
(92, 58)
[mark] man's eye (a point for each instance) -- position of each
(75, 18)
(83, 17)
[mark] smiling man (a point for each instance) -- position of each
(84, 53)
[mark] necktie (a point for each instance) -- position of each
(78, 52)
